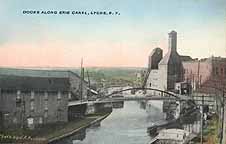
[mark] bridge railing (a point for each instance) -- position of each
(162, 92)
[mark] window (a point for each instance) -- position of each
(46, 96)
(217, 71)
(30, 121)
(40, 121)
(32, 105)
(69, 95)
(50, 81)
(18, 94)
(15, 120)
(18, 98)
(32, 95)
(222, 71)
(58, 95)
(3, 91)
(46, 114)
(58, 102)
(46, 105)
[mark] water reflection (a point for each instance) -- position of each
(119, 104)
(127, 125)
(143, 104)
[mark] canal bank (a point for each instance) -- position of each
(74, 127)
(182, 122)
(126, 125)
(211, 133)
(51, 133)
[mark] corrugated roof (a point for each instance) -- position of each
(34, 83)
(38, 73)
(33, 73)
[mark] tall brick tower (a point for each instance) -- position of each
(172, 44)
(171, 63)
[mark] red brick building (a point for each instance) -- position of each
(205, 75)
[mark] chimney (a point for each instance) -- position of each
(173, 41)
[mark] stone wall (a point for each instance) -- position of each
(42, 107)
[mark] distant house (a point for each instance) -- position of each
(34, 97)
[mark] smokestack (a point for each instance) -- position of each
(173, 41)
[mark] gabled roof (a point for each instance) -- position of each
(172, 57)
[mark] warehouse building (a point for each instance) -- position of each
(164, 72)
(29, 98)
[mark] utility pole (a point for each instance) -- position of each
(202, 119)
(88, 94)
(81, 75)
(198, 72)
(88, 77)
(222, 120)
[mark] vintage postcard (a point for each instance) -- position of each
(112, 72)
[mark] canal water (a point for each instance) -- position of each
(127, 125)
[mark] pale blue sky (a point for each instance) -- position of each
(142, 26)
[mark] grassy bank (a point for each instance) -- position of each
(210, 132)
(52, 132)
(211, 135)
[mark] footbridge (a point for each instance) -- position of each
(156, 94)
(78, 108)
(137, 98)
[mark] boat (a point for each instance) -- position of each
(172, 136)
(157, 127)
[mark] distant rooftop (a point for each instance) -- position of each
(34, 83)
(189, 59)
(186, 58)
(36, 72)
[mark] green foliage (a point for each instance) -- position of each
(111, 76)
(211, 131)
